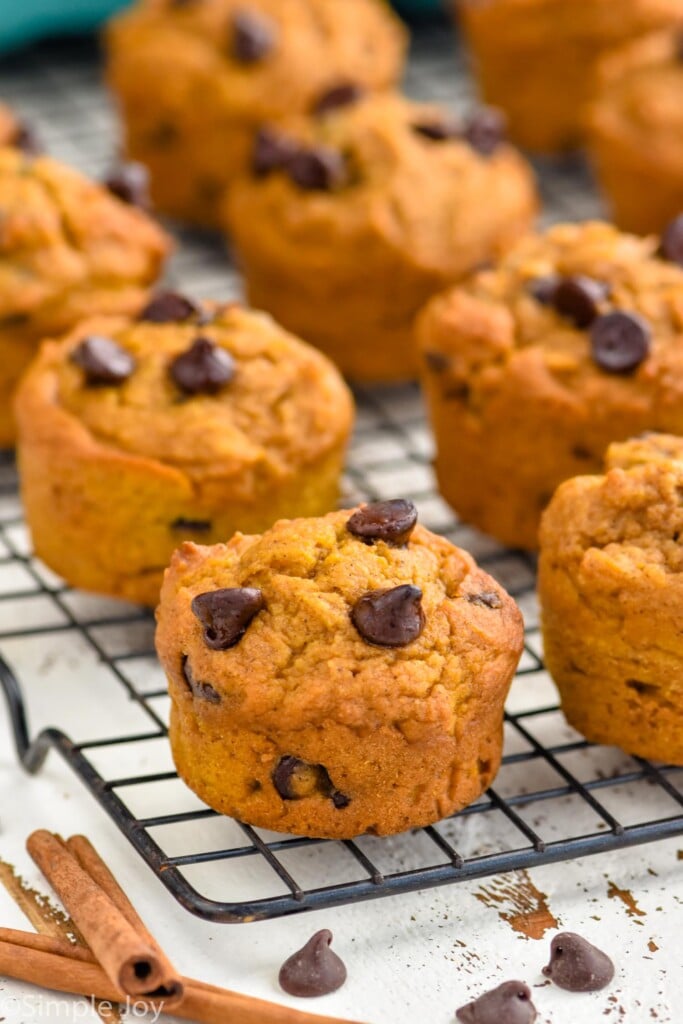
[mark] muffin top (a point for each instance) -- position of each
(267, 57)
(361, 616)
(215, 391)
(383, 171)
(592, 20)
(628, 522)
(582, 309)
(64, 239)
(641, 98)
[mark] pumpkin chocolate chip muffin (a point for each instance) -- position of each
(532, 368)
(350, 221)
(635, 134)
(538, 59)
(195, 79)
(189, 422)
(611, 592)
(68, 249)
(338, 675)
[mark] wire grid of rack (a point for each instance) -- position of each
(556, 796)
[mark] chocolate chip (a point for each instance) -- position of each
(320, 169)
(487, 599)
(578, 966)
(577, 297)
(543, 288)
(205, 691)
(169, 307)
(203, 369)
(671, 245)
(272, 151)
(253, 36)
(438, 362)
(295, 779)
(103, 361)
(192, 525)
(620, 341)
(485, 130)
(390, 618)
(26, 140)
(225, 614)
(438, 129)
(314, 970)
(342, 95)
(130, 183)
(510, 1003)
(392, 521)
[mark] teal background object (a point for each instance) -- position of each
(23, 21)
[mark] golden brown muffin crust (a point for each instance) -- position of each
(191, 108)
(412, 211)
(517, 383)
(303, 682)
(611, 591)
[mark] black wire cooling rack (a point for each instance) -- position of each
(556, 797)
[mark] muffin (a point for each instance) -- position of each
(194, 80)
(537, 59)
(635, 134)
(189, 422)
(532, 368)
(336, 676)
(611, 592)
(68, 249)
(349, 222)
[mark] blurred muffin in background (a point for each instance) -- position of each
(16, 133)
(347, 223)
(195, 79)
(69, 248)
(536, 59)
(635, 132)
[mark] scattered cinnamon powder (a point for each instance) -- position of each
(652, 946)
(627, 898)
(49, 920)
(520, 903)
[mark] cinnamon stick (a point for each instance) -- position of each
(59, 965)
(131, 963)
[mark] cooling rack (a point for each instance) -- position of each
(556, 796)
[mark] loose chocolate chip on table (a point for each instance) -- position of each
(390, 618)
(26, 140)
(318, 169)
(510, 1003)
(253, 36)
(392, 521)
(314, 970)
(193, 525)
(620, 341)
(169, 307)
(204, 691)
(225, 614)
(671, 245)
(103, 361)
(130, 182)
(577, 297)
(342, 95)
(487, 599)
(485, 130)
(272, 151)
(203, 369)
(438, 130)
(576, 965)
(543, 288)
